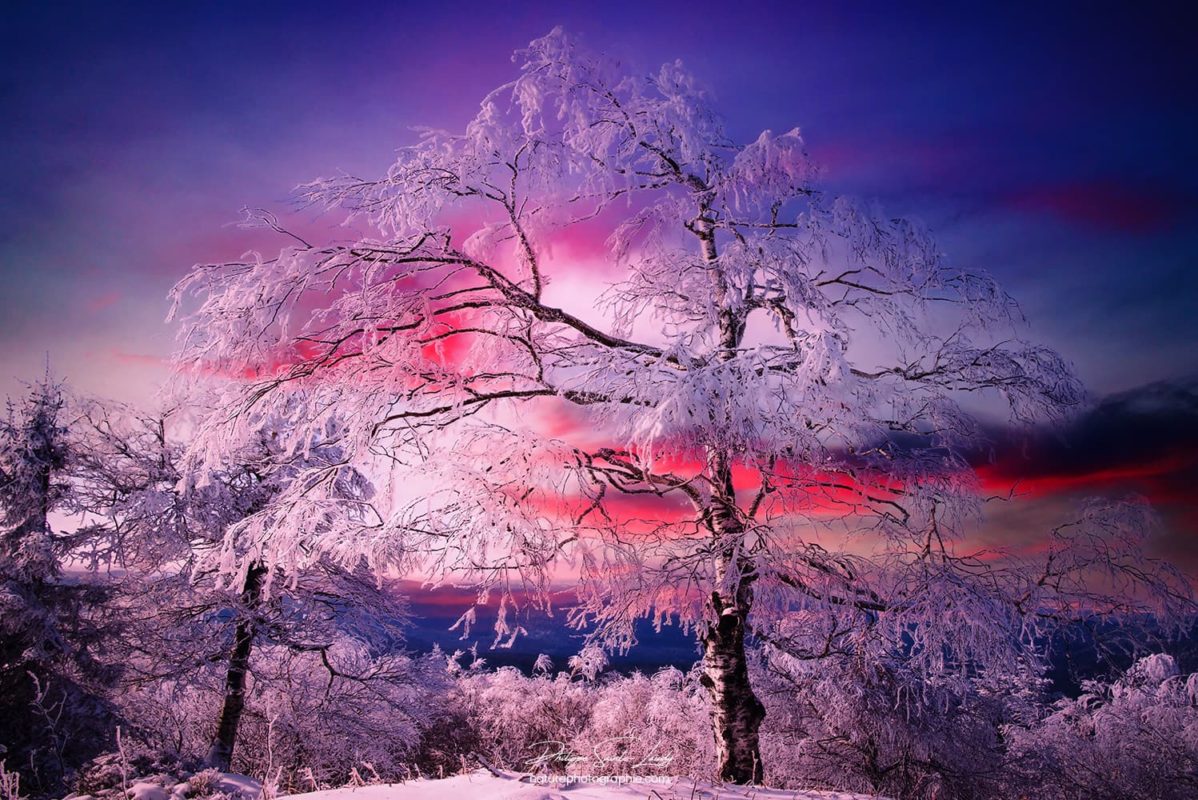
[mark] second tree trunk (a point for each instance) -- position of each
(220, 754)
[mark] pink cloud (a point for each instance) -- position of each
(141, 359)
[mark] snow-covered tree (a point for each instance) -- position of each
(762, 414)
(34, 467)
(49, 670)
(268, 631)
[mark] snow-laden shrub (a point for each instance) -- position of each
(204, 783)
(873, 726)
(10, 783)
(643, 725)
(1136, 737)
(311, 723)
(110, 776)
(589, 662)
(169, 720)
(572, 723)
(126, 775)
(306, 724)
(516, 718)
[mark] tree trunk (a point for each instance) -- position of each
(736, 713)
(220, 754)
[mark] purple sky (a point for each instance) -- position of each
(1055, 148)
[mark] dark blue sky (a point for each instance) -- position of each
(1053, 146)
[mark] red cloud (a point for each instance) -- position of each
(1167, 481)
(1152, 477)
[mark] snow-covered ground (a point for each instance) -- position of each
(228, 784)
(482, 785)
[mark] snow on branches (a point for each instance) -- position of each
(785, 365)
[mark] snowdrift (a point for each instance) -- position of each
(482, 785)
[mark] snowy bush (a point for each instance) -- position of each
(657, 725)
(320, 726)
(306, 724)
(113, 776)
(1136, 737)
(119, 776)
(10, 783)
(876, 726)
(568, 723)
(513, 716)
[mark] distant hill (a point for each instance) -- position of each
(1083, 655)
(435, 610)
